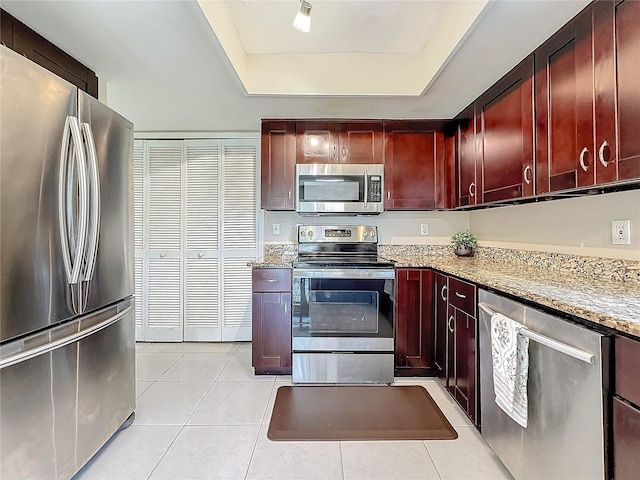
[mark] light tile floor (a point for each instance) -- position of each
(202, 414)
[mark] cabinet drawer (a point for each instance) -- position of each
(626, 440)
(627, 355)
(462, 295)
(271, 279)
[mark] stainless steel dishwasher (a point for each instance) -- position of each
(564, 438)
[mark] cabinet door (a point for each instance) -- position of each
(414, 320)
(271, 330)
(467, 150)
(626, 440)
(39, 50)
(463, 387)
(627, 38)
(564, 108)
(441, 316)
(505, 128)
(317, 142)
(360, 143)
(413, 173)
(278, 165)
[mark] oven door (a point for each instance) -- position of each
(342, 309)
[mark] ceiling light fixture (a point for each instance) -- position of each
(303, 19)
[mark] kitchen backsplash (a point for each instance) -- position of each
(603, 268)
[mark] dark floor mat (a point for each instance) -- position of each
(357, 413)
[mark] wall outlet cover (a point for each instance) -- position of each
(276, 229)
(424, 229)
(621, 232)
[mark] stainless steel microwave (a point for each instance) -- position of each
(339, 189)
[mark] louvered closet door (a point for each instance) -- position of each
(164, 300)
(202, 320)
(239, 233)
(138, 222)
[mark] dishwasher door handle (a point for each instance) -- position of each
(548, 342)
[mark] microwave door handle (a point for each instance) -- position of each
(366, 187)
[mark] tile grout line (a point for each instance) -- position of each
(424, 443)
(255, 444)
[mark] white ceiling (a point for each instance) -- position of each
(162, 66)
(337, 26)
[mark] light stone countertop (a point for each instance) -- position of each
(611, 303)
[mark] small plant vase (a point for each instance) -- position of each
(463, 251)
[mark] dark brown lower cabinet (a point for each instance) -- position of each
(626, 440)
(271, 321)
(414, 322)
(441, 315)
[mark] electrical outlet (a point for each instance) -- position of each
(424, 229)
(276, 229)
(621, 232)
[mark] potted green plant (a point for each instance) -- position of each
(464, 242)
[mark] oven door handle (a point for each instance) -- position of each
(344, 273)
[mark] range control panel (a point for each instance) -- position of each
(338, 234)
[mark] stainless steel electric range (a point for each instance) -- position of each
(343, 292)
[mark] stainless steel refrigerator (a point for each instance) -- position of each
(67, 346)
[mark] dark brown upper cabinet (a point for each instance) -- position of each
(625, 16)
(338, 142)
(415, 169)
(20, 38)
(564, 108)
(468, 166)
(278, 148)
(504, 130)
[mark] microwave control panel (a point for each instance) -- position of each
(375, 188)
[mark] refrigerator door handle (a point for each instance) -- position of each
(69, 231)
(94, 202)
(48, 347)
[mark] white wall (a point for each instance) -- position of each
(394, 228)
(580, 226)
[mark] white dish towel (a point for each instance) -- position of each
(510, 352)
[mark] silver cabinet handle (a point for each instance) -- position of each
(94, 202)
(449, 324)
(442, 294)
(460, 295)
(601, 153)
(73, 237)
(271, 280)
(527, 178)
(344, 152)
(289, 194)
(285, 308)
(334, 150)
(162, 255)
(388, 194)
(584, 151)
(200, 255)
(472, 189)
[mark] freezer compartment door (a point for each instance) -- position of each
(65, 392)
(108, 140)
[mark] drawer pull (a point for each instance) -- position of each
(460, 295)
(449, 324)
(472, 189)
(442, 294)
(271, 280)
